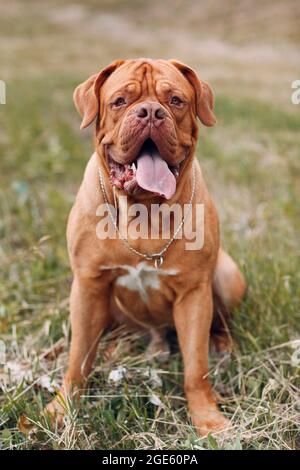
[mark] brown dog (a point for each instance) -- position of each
(145, 137)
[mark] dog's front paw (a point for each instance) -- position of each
(209, 420)
(63, 405)
(56, 410)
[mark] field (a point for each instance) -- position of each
(250, 54)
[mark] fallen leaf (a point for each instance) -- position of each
(25, 426)
(155, 400)
(116, 375)
(154, 378)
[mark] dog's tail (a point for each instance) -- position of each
(229, 289)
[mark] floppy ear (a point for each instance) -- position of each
(204, 94)
(86, 95)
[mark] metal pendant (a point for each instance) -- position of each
(158, 261)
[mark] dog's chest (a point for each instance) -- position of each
(142, 293)
(142, 279)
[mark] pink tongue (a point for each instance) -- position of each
(153, 174)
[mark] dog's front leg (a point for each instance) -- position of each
(89, 313)
(193, 317)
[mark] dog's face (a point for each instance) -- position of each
(146, 126)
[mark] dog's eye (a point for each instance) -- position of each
(119, 102)
(176, 101)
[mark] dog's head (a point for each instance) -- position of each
(146, 126)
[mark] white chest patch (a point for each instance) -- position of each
(139, 278)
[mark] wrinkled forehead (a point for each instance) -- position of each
(150, 74)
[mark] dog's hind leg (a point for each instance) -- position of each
(229, 288)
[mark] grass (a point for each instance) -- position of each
(251, 164)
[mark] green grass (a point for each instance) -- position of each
(251, 164)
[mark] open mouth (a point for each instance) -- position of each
(149, 171)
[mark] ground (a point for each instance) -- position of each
(249, 52)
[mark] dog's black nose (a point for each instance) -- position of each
(150, 111)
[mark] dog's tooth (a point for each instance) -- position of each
(133, 167)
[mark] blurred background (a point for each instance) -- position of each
(249, 51)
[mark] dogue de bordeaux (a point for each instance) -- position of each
(145, 116)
